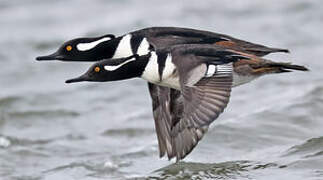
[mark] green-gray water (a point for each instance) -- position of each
(272, 128)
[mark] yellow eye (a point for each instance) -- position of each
(68, 48)
(97, 69)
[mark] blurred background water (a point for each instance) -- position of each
(272, 128)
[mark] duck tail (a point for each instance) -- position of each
(278, 67)
(287, 67)
(279, 50)
(262, 51)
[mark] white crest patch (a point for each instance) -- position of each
(124, 47)
(91, 45)
(112, 68)
(151, 73)
(143, 48)
(211, 69)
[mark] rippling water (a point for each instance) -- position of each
(272, 128)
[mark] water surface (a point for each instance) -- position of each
(272, 128)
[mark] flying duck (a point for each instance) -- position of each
(138, 42)
(190, 74)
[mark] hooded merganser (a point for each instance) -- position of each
(194, 82)
(213, 63)
(138, 42)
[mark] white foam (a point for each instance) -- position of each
(4, 142)
(110, 164)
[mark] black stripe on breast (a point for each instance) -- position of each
(135, 42)
(107, 49)
(161, 60)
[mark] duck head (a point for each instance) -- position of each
(85, 49)
(114, 69)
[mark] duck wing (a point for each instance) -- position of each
(183, 117)
(167, 106)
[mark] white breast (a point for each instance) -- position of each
(143, 48)
(151, 71)
(168, 79)
(124, 47)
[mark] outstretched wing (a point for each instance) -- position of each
(203, 103)
(167, 110)
(182, 117)
(177, 134)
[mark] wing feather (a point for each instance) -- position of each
(183, 117)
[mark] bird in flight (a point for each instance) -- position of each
(190, 74)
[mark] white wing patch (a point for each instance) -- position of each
(124, 47)
(91, 45)
(143, 47)
(112, 68)
(151, 73)
(219, 70)
(211, 69)
(224, 70)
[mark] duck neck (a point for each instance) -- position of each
(130, 68)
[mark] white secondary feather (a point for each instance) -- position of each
(224, 68)
(124, 47)
(91, 45)
(151, 71)
(143, 48)
(112, 68)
